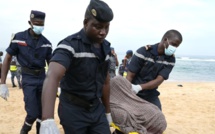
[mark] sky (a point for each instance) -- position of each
(136, 22)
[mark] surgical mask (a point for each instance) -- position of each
(170, 50)
(38, 29)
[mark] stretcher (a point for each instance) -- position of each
(116, 127)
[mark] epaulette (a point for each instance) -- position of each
(12, 37)
(147, 47)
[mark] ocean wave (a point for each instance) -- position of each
(195, 59)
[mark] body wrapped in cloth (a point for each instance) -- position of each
(131, 113)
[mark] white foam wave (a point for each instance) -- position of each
(194, 59)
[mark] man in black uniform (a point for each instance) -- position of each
(81, 62)
(151, 65)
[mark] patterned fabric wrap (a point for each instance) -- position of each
(131, 113)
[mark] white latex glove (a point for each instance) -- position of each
(136, 88)
(4, 92)
(109, 118)
(49, 127)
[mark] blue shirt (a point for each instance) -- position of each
(147, 65)
(86, 67)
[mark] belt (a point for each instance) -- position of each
(32, 71)
(79, 101)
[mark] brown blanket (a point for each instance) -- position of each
(131, 113)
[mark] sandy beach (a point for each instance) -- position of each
(189, 109)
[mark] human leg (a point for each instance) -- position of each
(72, 117)
(13, 74)
(100, 124)
(31, 107)
(77, 119)
(18, 80)
(155, 101)
(39, 104)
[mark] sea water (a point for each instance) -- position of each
(194, 68)
(187, 68)
(191, 68)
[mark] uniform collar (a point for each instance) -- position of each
(28, 34)
(154, 49)
(29, 38)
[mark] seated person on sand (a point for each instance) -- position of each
(131, 113)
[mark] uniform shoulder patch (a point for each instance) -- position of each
(147, 47)
(12, 37)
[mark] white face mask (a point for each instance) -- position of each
(170, 50)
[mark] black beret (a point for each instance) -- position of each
(37, 15)
(100, 11)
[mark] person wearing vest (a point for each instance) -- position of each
(13, 71)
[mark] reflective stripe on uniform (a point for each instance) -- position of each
(28, 124)
(84, 54)
(69, 48)
(47, 45)
(152, 60)
(143, 57)
(81, 54)
(18, 41)
(166, 63)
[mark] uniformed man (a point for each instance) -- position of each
(113, 63)
(80, 63)
(32, 50)
(151, 65)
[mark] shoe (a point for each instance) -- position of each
(14, 86)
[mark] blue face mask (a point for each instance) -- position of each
(170, 50)
(38, 29)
